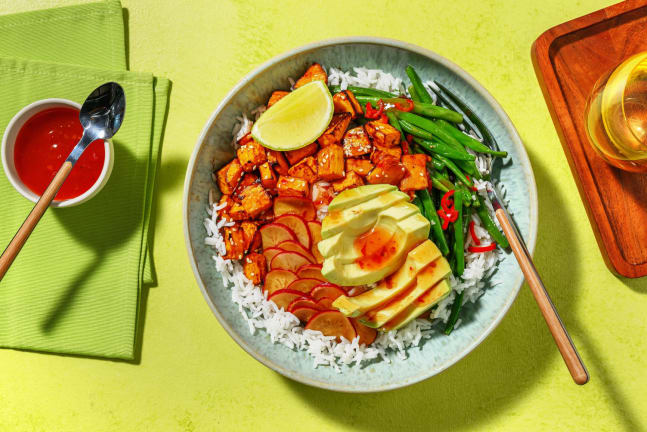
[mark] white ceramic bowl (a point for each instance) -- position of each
(9, 141)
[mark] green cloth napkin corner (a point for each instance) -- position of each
(76, 285)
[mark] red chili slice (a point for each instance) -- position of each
(408, 108)
(479, 249)
(372, 113)
(475, 239)
(383, 119)
(445, 203)
(405, 148)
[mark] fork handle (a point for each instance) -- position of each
(560, 335)
(34, 216)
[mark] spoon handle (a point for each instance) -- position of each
(29, 224)
(560, 335)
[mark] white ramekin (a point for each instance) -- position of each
(9, 141)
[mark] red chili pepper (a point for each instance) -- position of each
(405, 148)
(372, 113)
(478, 249)
(409, 138)
(408, 108)
(444, 201)
(383, 119)
(445, 219)
(475, 239)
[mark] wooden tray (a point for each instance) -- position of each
(568, 60)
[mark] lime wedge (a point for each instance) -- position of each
(296, 120)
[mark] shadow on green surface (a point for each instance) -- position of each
(498, 372)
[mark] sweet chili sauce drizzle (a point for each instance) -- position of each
(42, 145)
(376, 247)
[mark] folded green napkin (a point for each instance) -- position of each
(75, 287)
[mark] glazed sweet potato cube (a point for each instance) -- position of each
(278, 162)
(228, 176)
(416, 177)
(388, 170)
(330, 163)
(249, 231)
(246, 139)
(293, 186)
(360, 166)
(251, 155)
(237, 212)
(351, 180)
(277, 95)
(356, 142)
(234, 242)
(268, 176)
(345, 102)
(295, 156)
(306, 169)
(381, 152)
(255, 267)
(314, 73)
(383, 134)
(247, 180)
(336, 130)
(255, 200)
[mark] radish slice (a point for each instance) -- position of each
(270, 253)
(272, 234)
(315, 233)
(332, 323)
(304, 285)
(303, 302)
(294, 246)
(326, 290)
(282, 298)
(288, 261)
(366, 334)
(305, 313)
(311, 271)
(325, 303)
(278, 280)
(298, 226)
(294, 205)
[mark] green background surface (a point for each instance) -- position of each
(193, 377)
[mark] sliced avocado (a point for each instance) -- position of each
(419, 258)
(412, 230)
(354, 196)
(427, 278)
(421, 305)
(342, 246)
(361, 217)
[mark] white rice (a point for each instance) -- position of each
(284, 328)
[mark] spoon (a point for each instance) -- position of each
(101, 116)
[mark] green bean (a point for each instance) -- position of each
(470, 168)
(489, 224)
(429, 126)
(418, 203)
(364, 91)
(413, 94)
(415, 130)
(449, 164)
(422, 92)
(440, 148)
(468, 141)
(432, 216)
(440, 183)
(438, 165)
(453, 318)
(459, 242)
(424, 109)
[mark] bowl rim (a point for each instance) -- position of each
(18, 121)
(487, 97)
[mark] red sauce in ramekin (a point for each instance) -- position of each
(42, 145)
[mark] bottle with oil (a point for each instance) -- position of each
(616, 115)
